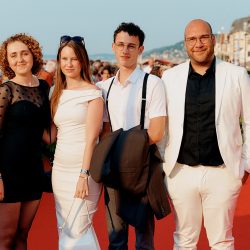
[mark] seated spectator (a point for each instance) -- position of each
(47, 73)
(96, 66)
(106, 72)
(156, 70)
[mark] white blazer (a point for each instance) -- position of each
(232, 102)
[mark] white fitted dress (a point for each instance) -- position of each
(70, 119)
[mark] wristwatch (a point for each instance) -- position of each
(84, 171)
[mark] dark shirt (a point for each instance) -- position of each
(199, 142)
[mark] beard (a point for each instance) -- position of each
(202, 58)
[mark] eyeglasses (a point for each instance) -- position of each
(204, 39)
(77, 39)
(130, 47)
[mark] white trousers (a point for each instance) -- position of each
(208, 193)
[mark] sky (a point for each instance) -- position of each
(163, 21)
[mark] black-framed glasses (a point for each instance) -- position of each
(77, 39)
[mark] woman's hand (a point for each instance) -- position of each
(82, 188)
(1, 190)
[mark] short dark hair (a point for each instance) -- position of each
(132, 29)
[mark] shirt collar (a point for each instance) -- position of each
(134, 76)
(211, 68)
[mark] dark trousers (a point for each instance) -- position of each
(118, 229)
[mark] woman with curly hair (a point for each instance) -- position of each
(24, 114)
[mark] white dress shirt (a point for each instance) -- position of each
(125, 100)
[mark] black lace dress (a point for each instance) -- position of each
(24, 114)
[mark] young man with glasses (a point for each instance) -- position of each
(124, 104)
(205, 161)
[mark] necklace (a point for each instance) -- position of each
(33, 83)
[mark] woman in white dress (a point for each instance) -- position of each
(77, 110)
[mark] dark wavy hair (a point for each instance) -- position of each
(132, 29)
(32, 45)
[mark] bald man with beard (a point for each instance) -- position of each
(206, 160)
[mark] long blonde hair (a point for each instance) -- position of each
(60, 83)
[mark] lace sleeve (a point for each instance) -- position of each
(5, 98)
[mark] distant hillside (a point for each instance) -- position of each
(103, 57)
(159, 51)
(176, 50)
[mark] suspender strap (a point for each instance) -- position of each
(107, 99)
(143, 102)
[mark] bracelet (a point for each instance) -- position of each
(84, 171)
(83, 177)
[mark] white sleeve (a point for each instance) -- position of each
(101, 85)
(158, 104)
(244, 82)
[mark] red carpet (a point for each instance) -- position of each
(43, 235)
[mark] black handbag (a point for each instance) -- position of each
(121, 159)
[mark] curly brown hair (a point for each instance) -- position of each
(32, 45)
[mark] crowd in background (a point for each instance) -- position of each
(101, 70)
(188, 122)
